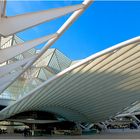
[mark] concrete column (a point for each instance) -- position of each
(33, 129)
(10, 128)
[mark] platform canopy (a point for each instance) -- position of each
(89, 90)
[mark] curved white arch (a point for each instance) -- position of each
(90, 87)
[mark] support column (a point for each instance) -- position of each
(33, 129)
(10, 128)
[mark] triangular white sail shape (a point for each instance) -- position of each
(8, 53)
(6, 79)
(3, 86)
(14, 24)
(8, 68)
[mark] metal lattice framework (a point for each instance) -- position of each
(90, 90)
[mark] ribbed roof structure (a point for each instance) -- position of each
(88, 90)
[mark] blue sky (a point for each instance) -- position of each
(103, 24)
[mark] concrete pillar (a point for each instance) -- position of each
(33, 129)
(10, 128)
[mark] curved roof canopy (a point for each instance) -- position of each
(91, 90)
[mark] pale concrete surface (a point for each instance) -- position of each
(103, 135)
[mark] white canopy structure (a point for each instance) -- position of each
(90, 90)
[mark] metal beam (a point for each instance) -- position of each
(10, 52)
(10, 67)
(2, 8)
(6, 79)
(15, 24)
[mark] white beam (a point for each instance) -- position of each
(14, 24)
(3, 86)
(2, 8)
(10, 52)
(8, 68)
(6, 79)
